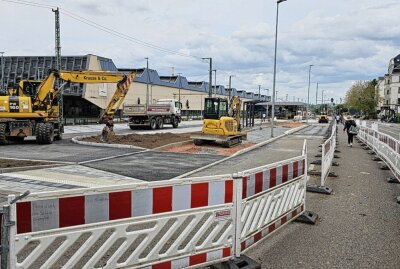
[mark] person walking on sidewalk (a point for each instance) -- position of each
(349, 122)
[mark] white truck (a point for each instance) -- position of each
(165, 111)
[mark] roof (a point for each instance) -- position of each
(282, 104)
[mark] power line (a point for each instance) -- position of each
(104, 28)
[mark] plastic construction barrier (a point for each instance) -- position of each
(183, 223)
(385, 146)
(328, 153)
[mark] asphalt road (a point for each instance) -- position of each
(392, 129)
(358, 225)
(285, 148)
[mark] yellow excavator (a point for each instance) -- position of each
(32, 109)
(221, 123)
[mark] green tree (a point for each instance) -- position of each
(361, 96)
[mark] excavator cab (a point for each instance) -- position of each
(215, 108)
(221, 122)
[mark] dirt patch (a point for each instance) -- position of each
(284, 124)
(148, 141)
(208, 149)
(6, 163)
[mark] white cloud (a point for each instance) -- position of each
(346, 40)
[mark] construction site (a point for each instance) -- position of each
(130, 167)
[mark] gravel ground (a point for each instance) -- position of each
(358, 226)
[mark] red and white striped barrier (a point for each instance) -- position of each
(385, 146)
(41, 215)
(184, 223)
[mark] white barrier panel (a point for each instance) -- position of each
(184, 223)
(272, 196)
(328, 153)
(174, 224)
(385, 146)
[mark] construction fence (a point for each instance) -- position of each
(385, 146)
(328, 152)
(182, 223)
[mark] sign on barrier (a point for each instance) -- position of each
(183, 223)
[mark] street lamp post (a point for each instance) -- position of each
(180, 86)
(147, 81)
(210, 77)
(215, 80)
(308, 95)
(274, 79)
(230, 85)
(2, 72)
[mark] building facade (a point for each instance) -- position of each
(390, 83)
(87, 100)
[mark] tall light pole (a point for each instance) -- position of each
(308, 96)
(148, 79)
(316, 95)
(215, 80)
(180, 86)
(322, 103)
(259, 92)
(210, 77)
(2, 72)
(230, 86)
(274, 80)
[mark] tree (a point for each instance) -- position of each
(361, 96)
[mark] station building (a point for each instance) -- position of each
(87, 100)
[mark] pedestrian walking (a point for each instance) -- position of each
(337, 119)
(350, 126)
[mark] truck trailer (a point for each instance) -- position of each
(154, 116)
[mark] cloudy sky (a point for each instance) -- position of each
(345, 40)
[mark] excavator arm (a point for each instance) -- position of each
(235, 105)
(47, 91)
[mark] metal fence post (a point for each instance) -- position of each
(5, 237)
(237, 201)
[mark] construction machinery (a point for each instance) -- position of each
(32, 108)
(221, 123)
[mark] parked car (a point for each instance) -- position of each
(323, 119)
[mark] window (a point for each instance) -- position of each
(387, 91)
(398, 90)
(398, 100)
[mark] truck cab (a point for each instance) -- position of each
(175, 105)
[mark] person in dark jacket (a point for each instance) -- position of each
(349, 122)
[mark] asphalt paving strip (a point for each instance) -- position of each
(281, 149)
(358, 226)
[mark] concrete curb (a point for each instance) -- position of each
(240, 152)
(27, 168)
(77, 140)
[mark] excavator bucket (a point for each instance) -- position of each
(107, 134)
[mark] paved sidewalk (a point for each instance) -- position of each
(359, 224)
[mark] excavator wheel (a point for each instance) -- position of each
(44, 133)
(3, 137)
(107, 134)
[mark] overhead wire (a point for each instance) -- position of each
(104, 28)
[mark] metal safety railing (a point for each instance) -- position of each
(384, 145)
(182, 223)
(328, 153)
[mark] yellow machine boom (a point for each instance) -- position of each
(37, 113)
